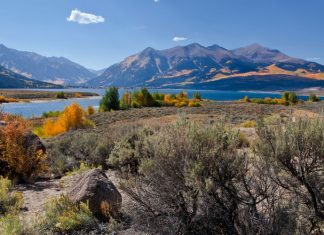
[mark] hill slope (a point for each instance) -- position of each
(57, 70)
(9, 79)
(198, 66)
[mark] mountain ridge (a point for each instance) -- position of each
(194, 64)
(9, 79)
(58, 70)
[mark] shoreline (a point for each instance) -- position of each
(27, 96)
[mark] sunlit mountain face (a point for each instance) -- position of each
(197, 66)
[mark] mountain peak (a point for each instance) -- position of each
(255, 45)
(216, 47)
(149, 49)
(194, 45)
(262, 54)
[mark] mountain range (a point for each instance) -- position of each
(194, 66)
(213, 67)
(57, 70)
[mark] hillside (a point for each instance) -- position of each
(9, 79)
(208, 67)
(58, 70)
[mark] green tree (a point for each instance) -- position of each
(313, 98)
(293, 97)
(289, 98)
(60, 95)
(285, 96)
(148, 100)
(110, 101)
(197, 95)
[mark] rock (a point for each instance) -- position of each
(94, 188)
(33, 143)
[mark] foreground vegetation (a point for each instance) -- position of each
(185, 177)
(213, 186)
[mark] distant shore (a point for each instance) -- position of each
(301, 92)
(33, 95)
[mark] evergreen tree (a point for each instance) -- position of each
(110, 101)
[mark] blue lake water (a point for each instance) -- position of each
(36, 108)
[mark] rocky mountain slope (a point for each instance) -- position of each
(9, 79)
(58, 70)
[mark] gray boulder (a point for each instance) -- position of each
(93, 187)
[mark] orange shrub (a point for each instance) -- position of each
(126, 101)
(52, 128)
(169, 100)
(20, 159)
(73, 117)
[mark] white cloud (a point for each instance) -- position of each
(313, 58)
(84, 18)
(156, 0)
(179, 39)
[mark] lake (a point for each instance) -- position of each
(37, 108)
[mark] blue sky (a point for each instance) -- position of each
(119, 28)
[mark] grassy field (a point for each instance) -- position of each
(234, 113)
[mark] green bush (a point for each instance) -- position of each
(293, 152)
(65, 153)
(61, 215)
(110, 101)
(123, 156)
(11, 224)
(194, 162)
(9, 201)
